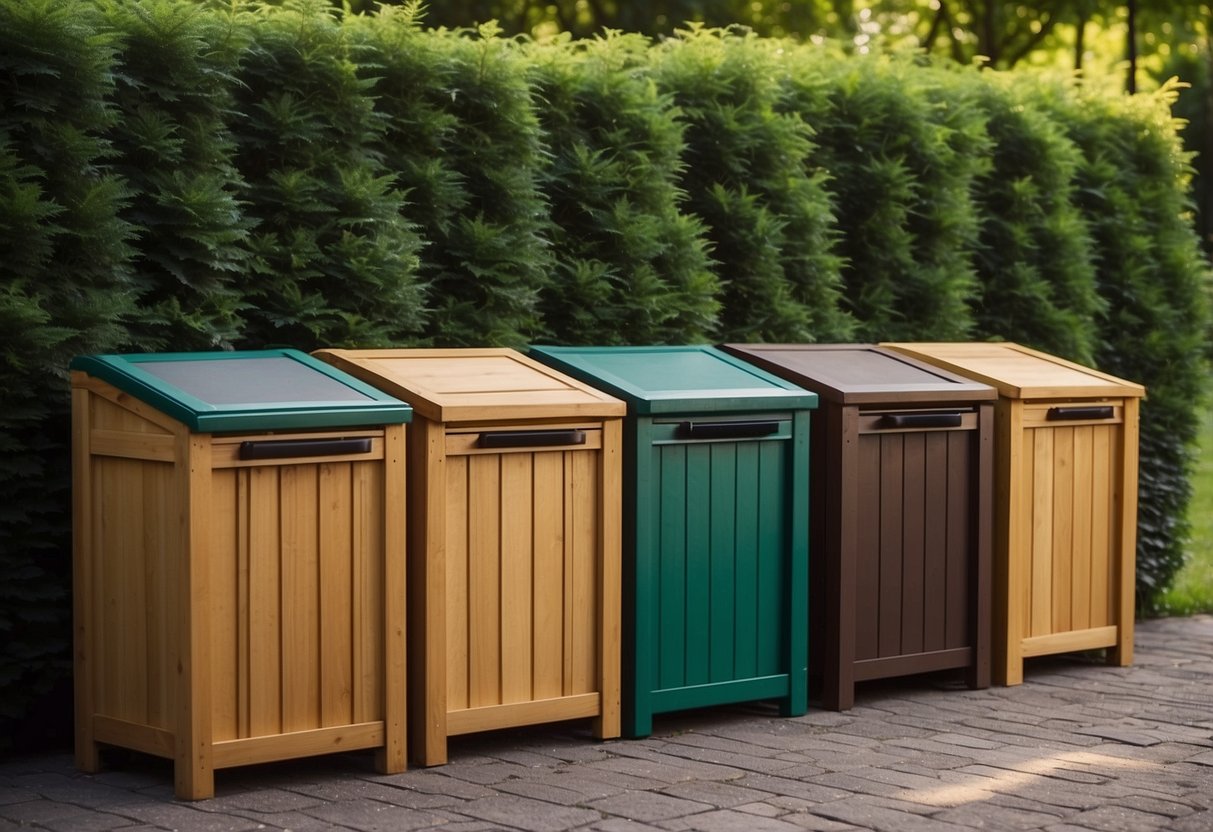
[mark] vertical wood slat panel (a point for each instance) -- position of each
(1084, 487)
(913, 490)
(484, 580)
(749, 604)
(772, 600)
(159, 580)
(1102, 539)
(568, 569)
(1042, 531)
(548, 525)
(583, 604)
(119, 595)
(243, 604)
(721, 553)
(366, 596)
(1019, 556)
(336, 616)
(225, 612)
(698, 495)
(959, 539)
(517, 564)
(936, 487)
(265, 623)
(892, 458)
(867, 549)
(1063, 519)
(672, 612)
(458, 555)
(300, 598)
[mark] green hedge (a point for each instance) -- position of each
(177, 176)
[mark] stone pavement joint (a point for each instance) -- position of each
(1079, 747)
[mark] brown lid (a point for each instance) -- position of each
(862, 373)
(464, 385)
(1020, 372)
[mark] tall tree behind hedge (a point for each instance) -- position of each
(768, 216)
(174, 93)
(333, 261)
(65, 289)
(903, 155)
(1035, 261)
(463, 139)
(631, 268)
(1151, 273)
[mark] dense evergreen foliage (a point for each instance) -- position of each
(176, 176)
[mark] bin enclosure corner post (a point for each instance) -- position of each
(1122, 653)
(1011, 566)
(982, 589)
(608, 723)
(390, 757)
(427, 593)
(87, 758)
(194, 771)
(638, 720)
(797, 701)
(839, 495)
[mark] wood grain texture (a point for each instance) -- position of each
(224, 604)
(522, 545)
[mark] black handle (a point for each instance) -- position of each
(530, 438)
(1058, 414)
(920, 420)
(725, 430)
(283, 448)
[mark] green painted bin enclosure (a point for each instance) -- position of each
(901, 520)
(715, 518)
(239, 563)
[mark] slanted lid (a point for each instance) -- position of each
(464, 385)
(211, 392)
(692, 379)
(862, 373)
(1020, 372)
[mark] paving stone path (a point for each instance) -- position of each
(1079, 746)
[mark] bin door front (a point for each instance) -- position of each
(915, 540)
(1071, 481)
(524, 558)
(297, 582)
(713, 560)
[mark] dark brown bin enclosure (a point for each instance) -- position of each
(900, 518)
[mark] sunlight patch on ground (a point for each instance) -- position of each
(1025, 774)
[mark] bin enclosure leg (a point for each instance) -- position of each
(1126, 556)
(1013, 535)
(194, 765)
(608, 724)
(87, 757)
(390, 758)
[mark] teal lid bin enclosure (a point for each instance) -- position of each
(238, 560)
(716, 500)
(212, 392)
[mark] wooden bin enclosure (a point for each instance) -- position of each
(1065, 501)
(902, 482)
(514, 543)
(716, 542)
(238, 579)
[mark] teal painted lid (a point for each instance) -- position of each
(686, 379)
(211, 392)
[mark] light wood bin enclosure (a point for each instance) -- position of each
(238, 595)
(514, 548)
(901, 521)
(1065, 501)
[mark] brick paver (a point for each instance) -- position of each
(1079, 747)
